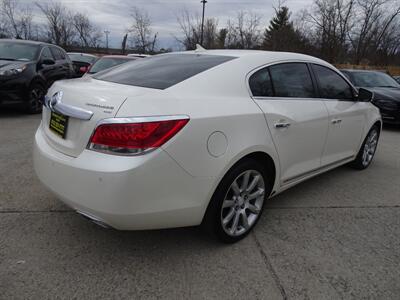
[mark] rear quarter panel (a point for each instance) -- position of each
(216, 101)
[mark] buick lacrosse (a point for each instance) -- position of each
(199, 137)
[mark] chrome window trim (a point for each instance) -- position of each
(253, 71)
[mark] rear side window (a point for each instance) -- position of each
(57, 53)
(46, 54)
(332, 85)
(292, 80)
(260, 84)
(162, 71)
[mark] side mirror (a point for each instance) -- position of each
(48, 61)
(365, 95)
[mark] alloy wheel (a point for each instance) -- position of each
(370, 147)
(243, 203)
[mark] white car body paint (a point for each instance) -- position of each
(172, 186)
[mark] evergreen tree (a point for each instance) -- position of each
(281, 34)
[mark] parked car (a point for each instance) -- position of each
(397, 78)
(81, 62)
(107, 62)
(385, 88)
(28, 69)
(201, 137)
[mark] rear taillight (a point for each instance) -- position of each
(135, 136)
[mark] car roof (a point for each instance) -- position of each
(265, 56)
(27, 42)
(361, 71)
(119, 56)
(81, 54)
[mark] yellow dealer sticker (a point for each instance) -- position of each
(58, 124)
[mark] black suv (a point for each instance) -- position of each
(28, 69)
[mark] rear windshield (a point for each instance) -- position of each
(83, 58)
(162, 71)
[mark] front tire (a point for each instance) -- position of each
(238, 201)
(368, 149)
(35, 97)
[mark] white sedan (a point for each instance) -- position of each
(201, 137)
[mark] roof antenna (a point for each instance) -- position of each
(199, 48)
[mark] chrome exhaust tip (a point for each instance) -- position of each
(94, 219)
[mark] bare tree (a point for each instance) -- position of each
(88, 35)
(17, 20)
(331, 20)
(142, 36)
(244, 31)
(377, 19)
(190, 26)
(60, 26)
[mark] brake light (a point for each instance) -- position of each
(134, 138)
(83, 69)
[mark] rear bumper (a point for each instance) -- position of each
(129, 193)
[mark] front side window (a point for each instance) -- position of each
(292, 80)
(162, 71)
(331, 84)
(260, 84)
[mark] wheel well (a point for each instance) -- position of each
(379, 124)
(38, 81)
(261, 157)
(265, 160)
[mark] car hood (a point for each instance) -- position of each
(8, 64)
(385, 93)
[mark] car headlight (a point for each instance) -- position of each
(12, 71)
(386, 104)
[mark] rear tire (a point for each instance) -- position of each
(238, 201)
(367, 150)
(35, 97)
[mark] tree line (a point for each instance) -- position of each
(339, 31)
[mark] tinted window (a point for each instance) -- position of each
(58, 54)
(331, 84)
(373, 79)
(46, 54)
(292, 80)
(108, 62)
(260, 84)
(162, 71)
(82, 58)
(18, 51)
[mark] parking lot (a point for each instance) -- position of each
(333, 237)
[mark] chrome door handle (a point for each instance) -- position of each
(336, 121)
(282, 125)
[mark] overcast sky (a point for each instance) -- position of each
(114, 15)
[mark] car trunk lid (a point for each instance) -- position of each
(101, 98)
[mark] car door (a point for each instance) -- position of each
(297, 120)
(347, 116)
(48, 71)
(61, 66)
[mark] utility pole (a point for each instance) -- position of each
(202, 21)
(107, 33)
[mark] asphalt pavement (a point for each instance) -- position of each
(336, 236)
